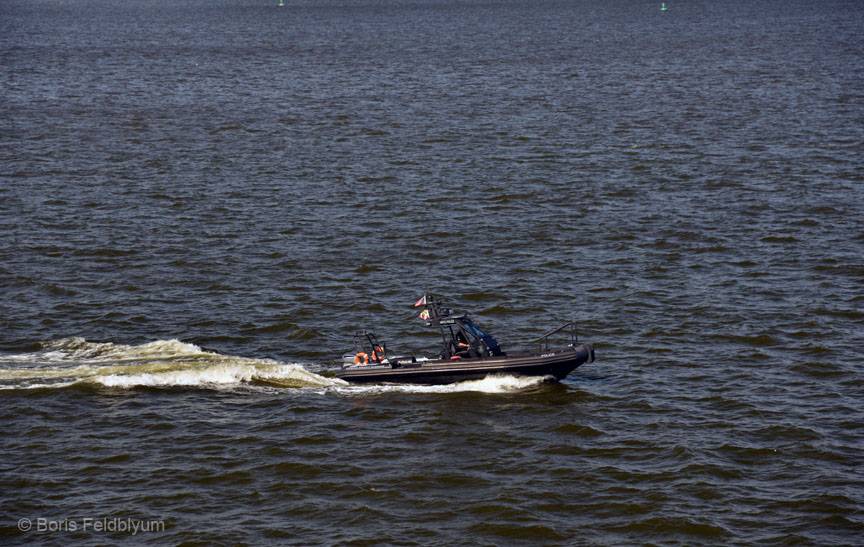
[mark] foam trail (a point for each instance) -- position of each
(166, 363)
(491, 384)
(161, 363)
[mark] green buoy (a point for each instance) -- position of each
(662, 6)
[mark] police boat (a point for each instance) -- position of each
(467, 353)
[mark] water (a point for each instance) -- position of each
(200, 202)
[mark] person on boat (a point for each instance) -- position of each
(463, 348)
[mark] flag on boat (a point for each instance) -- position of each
(421, 302)
(424, 314)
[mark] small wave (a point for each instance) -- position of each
(79, 348)
(162, 363)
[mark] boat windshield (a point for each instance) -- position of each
(487, 339)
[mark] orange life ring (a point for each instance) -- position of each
(377, 354)
(361, 359)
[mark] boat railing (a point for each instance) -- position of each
(364, 338)
(544, 340)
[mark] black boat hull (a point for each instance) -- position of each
(557, 363)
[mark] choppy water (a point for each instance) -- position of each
(200, 201)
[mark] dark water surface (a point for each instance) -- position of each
(201, 200)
